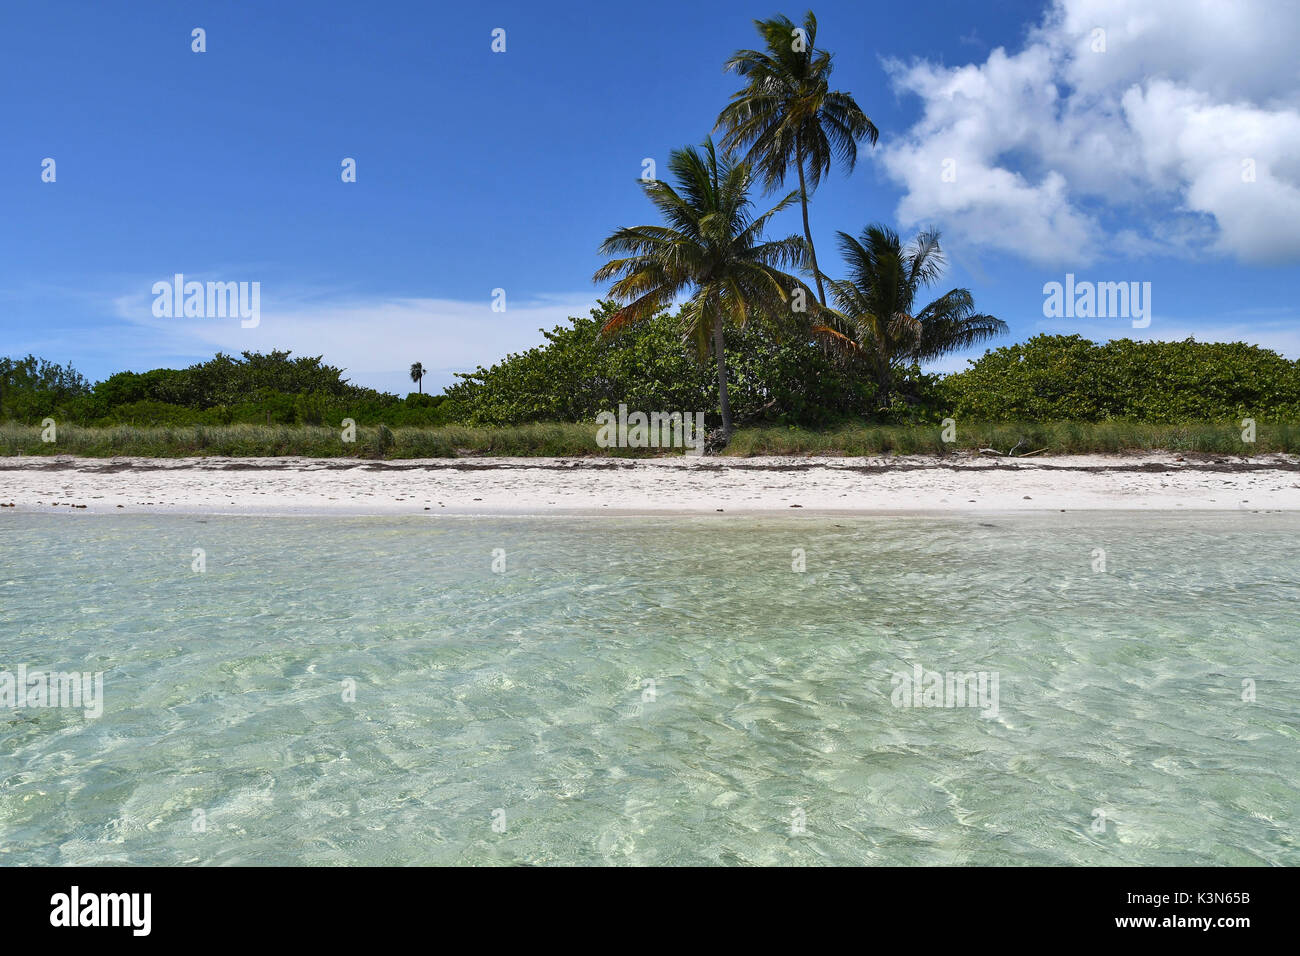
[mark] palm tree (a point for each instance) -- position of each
(711, 245)
(417, 376)
(876, 318)
(788, 116)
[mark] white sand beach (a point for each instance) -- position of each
(1161, 481)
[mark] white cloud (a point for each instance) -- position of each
(1243, 49)
(1142, 138)
(1233, 162)
(376, 340)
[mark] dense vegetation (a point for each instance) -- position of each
(774, 377)
(1068, 378)
(790, 381)
(778, 379)
(266, 389)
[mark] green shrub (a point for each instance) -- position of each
(578, 373)
(1068, 378)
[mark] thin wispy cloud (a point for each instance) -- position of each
(375, 338)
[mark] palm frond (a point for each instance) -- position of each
(875, 303)
(787, 111)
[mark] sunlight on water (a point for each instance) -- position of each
(653, 691)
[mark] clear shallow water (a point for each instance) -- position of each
(523, 691)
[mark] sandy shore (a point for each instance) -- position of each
(706, 485)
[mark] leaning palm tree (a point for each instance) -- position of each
(417, 376)
(712, 246)
(787, 116)
(876, 318)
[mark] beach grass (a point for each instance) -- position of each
(1049, 438)
(307, 441)
(573, 440)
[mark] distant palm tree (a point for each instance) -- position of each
(788, 116)
(417, 376)
(876, 317)
(711, 245)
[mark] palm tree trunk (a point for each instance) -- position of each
(807, 233)
(720, 351)
(884, 377)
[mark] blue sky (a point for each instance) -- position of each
(479, 170)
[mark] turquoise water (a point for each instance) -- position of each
(769, 734)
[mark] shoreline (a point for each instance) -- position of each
(879, 485)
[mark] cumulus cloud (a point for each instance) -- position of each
(1122, 127)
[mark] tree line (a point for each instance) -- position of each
(579, 372)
